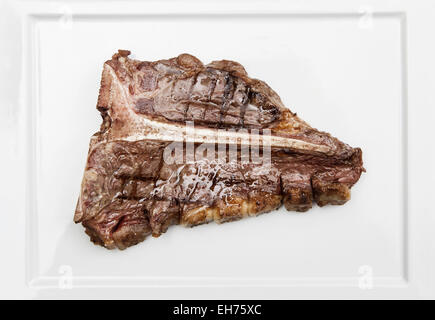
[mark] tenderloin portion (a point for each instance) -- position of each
(187, 143)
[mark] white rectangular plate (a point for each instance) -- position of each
(344, 71)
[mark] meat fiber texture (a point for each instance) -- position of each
(186, 143)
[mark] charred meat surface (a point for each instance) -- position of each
(177, 144)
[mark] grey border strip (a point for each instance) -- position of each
(404, 137)
(279, 15)
(31, 254)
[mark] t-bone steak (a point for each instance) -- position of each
(186, 143)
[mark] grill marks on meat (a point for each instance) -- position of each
(212, 98)
(183, 89)
(128, 190)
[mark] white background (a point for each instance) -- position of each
(364, 78)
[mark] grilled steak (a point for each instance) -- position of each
(187, 143)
